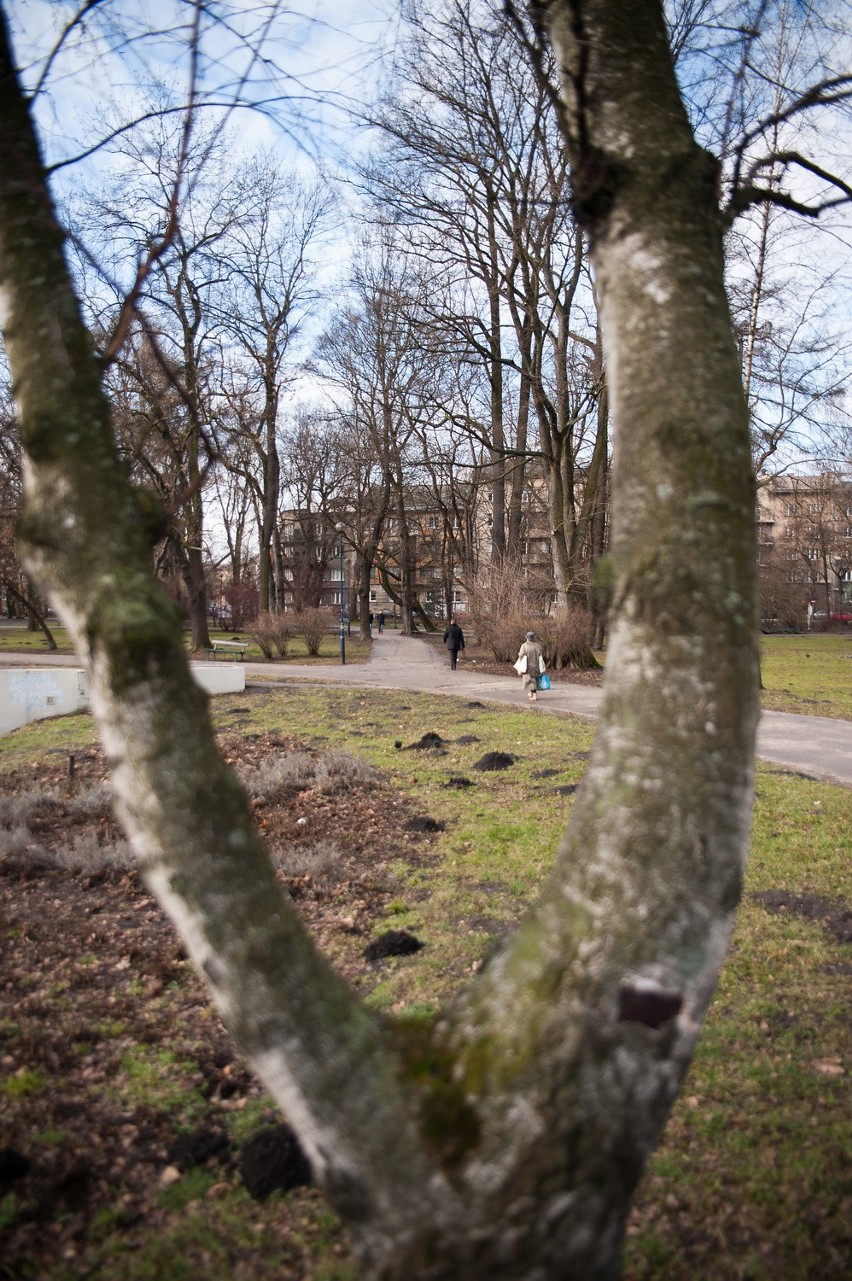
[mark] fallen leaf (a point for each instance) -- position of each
(828, 1067)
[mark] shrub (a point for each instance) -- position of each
(312, 625)
(505, 599)
(284, 633)
(272, 633)
(92, 802)
(20, 807)
(85, 855)
(505, 636)
(567, 638)
(294, 772)
(322, 861)
(337, 771)
(242, 600)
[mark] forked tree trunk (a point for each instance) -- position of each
(505, 1140)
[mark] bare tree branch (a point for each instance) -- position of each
(825, 93)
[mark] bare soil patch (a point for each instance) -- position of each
(117, 1073)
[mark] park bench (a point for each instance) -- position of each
(229, 649)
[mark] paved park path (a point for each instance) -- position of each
(813, 745)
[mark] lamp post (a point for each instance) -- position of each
(839, 569)
(339, 529)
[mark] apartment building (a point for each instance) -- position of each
(805, 544)
(804, 537)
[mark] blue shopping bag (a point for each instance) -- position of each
(544, 681)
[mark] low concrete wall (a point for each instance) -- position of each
(220, 678)
(34, 693)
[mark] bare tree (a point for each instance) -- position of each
(317, 484)
(164, 334)
(270, 273)
(374, 357)
(476, 173)
(505, 1137)
(754, 75)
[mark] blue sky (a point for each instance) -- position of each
(317, 59)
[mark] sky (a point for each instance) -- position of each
(316, 61)
(320, 58)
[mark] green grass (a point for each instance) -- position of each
(16, 639)
(221, 1237)
(810, 675)
(747, 1181)
(56, 735)
(25, 1081)
(750, 1170)
(157, 1079)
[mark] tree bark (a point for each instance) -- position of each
(504, 1141)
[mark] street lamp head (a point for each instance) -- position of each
(339, 527)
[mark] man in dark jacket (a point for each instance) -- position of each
(454, 641)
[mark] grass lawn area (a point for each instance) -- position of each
(750, 1179)
(811, 675)
(16, 639)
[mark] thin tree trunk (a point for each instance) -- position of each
(34, 615)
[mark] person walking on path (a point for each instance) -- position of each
(530, 662)
(454, 641)
(380, 619)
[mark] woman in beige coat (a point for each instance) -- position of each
(531, 651)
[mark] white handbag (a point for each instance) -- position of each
(521, 664)
(541, 665)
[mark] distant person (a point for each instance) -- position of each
(370, 622)
(530, 662)
(454, 641)
(380, 622)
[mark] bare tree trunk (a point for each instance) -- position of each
(34, 616)
(518, 477)
(505, 1141)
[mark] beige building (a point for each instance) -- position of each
(805, 546)
(804, 552)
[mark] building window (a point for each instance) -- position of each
(434, 523)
